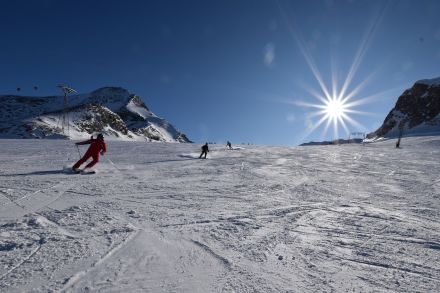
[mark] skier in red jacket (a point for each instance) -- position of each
(97, 146)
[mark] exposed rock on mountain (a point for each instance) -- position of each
(417, 112)
(112, 111)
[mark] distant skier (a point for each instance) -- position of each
(401, 125)
(205, 150)
(97, 147)
(398, 143)
(229, 145)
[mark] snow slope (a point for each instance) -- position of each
(347, 218)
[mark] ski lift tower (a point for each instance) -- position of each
(360, 135)
(65, 120)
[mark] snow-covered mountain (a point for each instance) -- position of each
(417, 112)
(112, 111)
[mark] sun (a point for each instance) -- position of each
(335, 108)
(338, 101)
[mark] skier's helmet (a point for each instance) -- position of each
(100, 136)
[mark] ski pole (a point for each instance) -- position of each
(77, 147)
(113, 165)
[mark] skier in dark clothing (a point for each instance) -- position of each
(401, 125)
(229, 145)
(97, 147)
(205, 150)
(398, 142)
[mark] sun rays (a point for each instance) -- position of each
(336, 104)
(334, 111)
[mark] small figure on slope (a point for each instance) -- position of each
(97, 147)
(229, 145)
(205, 150)
(401, 126)
(398, 142)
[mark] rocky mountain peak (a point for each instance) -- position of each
(416, 111)
(113, 111)
(138, 102)
(430, 82)
(112, 97)
(110, 91)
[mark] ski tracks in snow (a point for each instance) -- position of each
(264, 219)
(34, 201)
(81, 274)
(20, 263)
(147, 260)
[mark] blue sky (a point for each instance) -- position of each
(225, 70)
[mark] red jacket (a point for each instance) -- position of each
(96, 145)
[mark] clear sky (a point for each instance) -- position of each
(238, 70)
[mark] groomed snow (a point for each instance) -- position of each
(347, 218)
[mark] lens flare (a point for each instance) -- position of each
(336, 103)
(334, 109)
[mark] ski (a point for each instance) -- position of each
(87, 172)
(80, 171)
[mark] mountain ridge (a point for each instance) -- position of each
(417, 112)
(113, 111)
